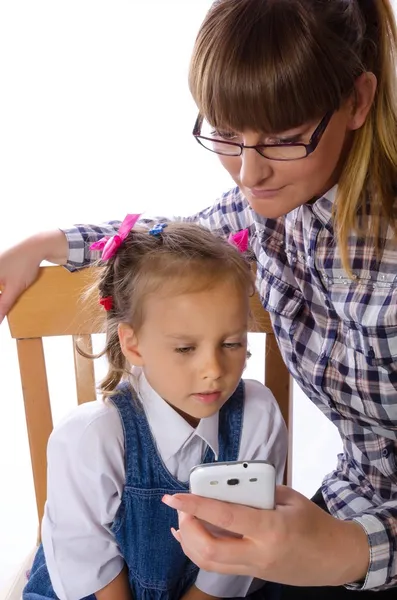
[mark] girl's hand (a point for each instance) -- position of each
(19, 265)
(297, 543)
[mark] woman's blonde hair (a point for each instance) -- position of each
(272, 65)
(183, 258)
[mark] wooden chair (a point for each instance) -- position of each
(52, 306)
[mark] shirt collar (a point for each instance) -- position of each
(178, 433)
(323, 207)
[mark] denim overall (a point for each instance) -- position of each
(157, 566)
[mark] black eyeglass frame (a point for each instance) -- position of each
(309, 148)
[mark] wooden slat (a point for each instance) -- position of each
(53, 306)
(84, 370)
(38, 412)
(278, 380)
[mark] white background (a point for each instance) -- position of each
(95, 122)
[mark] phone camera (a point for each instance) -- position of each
(245, 465)
(233, 481)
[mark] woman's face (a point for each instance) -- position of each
(274, 188)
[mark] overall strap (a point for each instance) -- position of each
(231, 424)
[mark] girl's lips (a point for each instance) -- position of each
(208, 397)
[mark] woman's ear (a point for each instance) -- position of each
(129, 344)
(362, 100)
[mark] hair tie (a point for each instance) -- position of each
(240, 240)
(110, 245)
(106, 302)
(157, 229)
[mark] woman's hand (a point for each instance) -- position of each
(297, 543)
(19, 265)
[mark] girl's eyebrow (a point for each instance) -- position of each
(177, 336)
(190, 336)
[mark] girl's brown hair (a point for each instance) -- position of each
(182, 258)
(265, 64)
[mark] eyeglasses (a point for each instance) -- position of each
(282, 151)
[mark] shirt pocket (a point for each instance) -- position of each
(279, 297)
(377, 344)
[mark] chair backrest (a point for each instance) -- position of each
(52, 306)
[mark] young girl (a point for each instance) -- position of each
(177, 308)
(298, 99)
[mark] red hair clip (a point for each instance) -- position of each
(106, 302)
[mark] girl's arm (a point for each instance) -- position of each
(118, 589)
(194, 594)
(85, 483)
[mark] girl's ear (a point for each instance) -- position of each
(129, 344)
(364, 94)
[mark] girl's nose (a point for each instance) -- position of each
(212, 368)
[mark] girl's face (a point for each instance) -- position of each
(274, 188)
(192, 346)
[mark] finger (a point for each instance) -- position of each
(232, 517)
(222, 555)
(7, 299)
(176, 534)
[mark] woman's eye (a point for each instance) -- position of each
(225, 135)
(285, 141)
(184, 349)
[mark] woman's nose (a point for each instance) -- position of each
(254, 168)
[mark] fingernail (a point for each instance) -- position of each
(171, 501)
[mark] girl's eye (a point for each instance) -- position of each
(184, 349)
(232, 345)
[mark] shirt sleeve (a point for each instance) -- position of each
(380, 524)
(264, 437)
(230, 213)
(85, 483)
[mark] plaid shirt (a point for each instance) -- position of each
(338, 337)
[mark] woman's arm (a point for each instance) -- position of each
(71, 247)
(229, 214)
(118, 589)
(20, 264)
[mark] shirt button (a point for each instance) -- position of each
(385, 452)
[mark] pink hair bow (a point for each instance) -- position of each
(110, 245)
(240, 240)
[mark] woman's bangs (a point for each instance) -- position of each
(243, 78)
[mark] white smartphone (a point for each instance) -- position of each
(252, 483)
